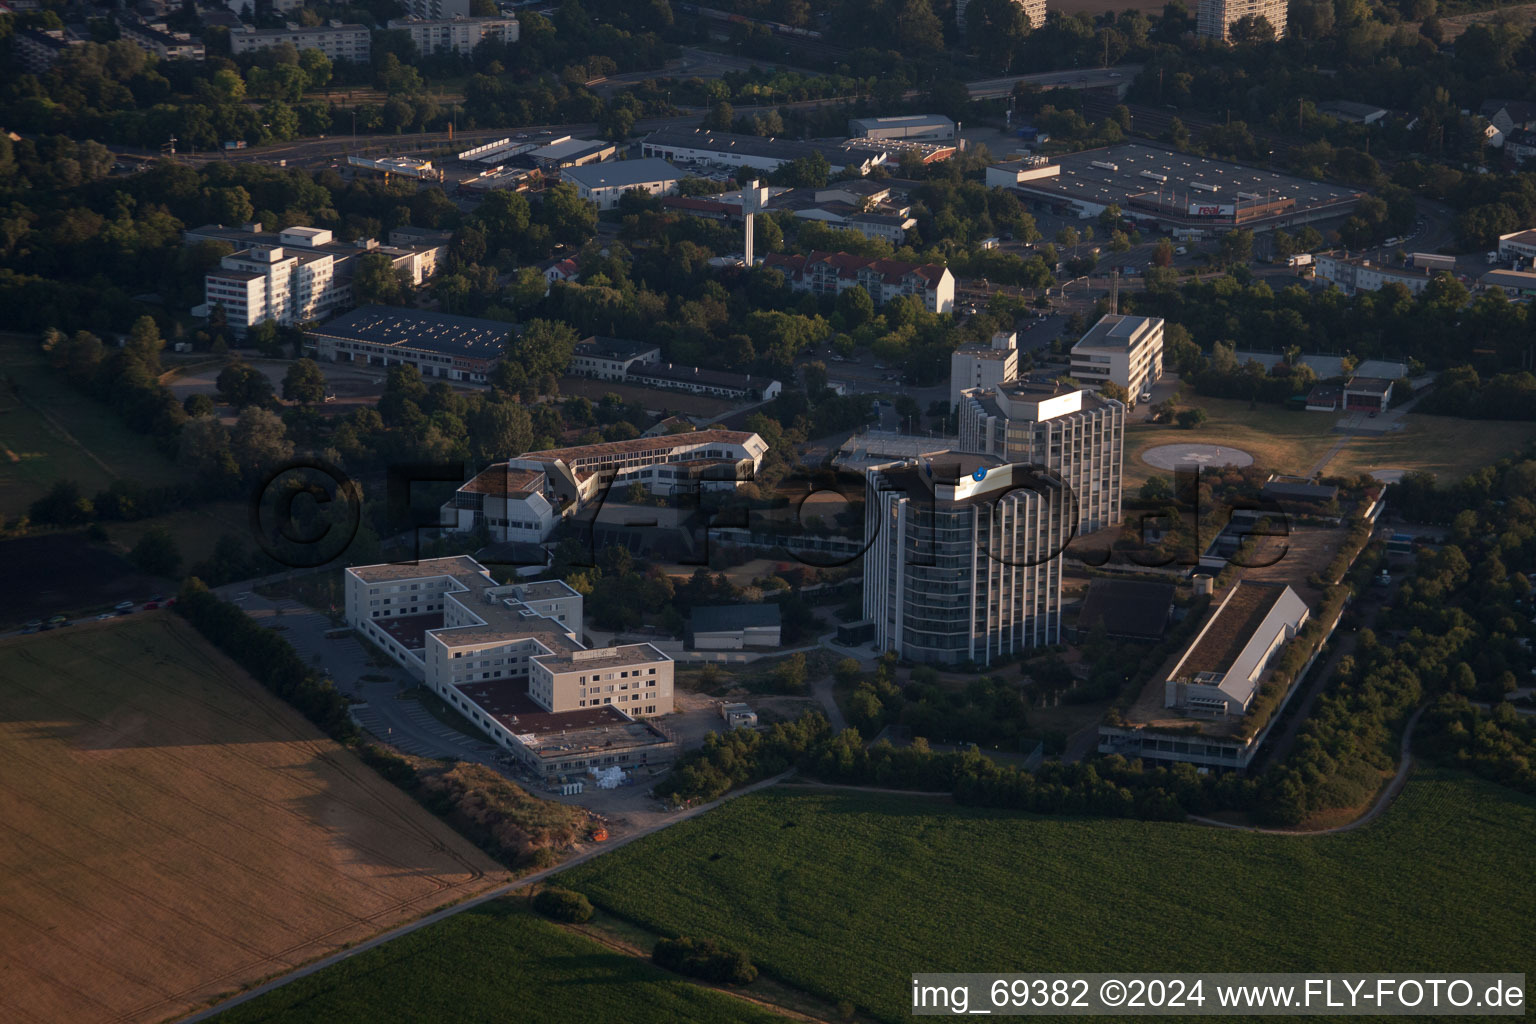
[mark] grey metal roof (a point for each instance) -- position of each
(442, 333)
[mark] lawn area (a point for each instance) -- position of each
(1284, 440)
(1447, 446)
(173, 833)
(497, 962)
(845, 895)
(49, 432)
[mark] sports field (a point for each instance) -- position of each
(50, 432)
(498, 962)
(170, 832)
(845, 895)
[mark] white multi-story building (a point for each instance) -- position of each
(1358, 274)
(275, 284)
(437, 9)
(983, 366)
(508, 658)
(830, 273)
(459, 35)
(523, 498)
(606, 183)
(610, 358)
(1121, 349)
(964, 557)
(334, 39)
(1034, 12)
(1077, 434)
(1215, 18)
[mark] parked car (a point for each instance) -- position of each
(150, 606)
(57, 620)
(123, 606)
(33, 626)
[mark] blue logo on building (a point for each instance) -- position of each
(980, 474)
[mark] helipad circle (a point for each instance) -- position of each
(1172, 456)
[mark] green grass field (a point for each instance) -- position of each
(497, 962)
(49, 432)
(1293, 441)
(846, 895)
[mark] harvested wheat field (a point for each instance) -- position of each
(170, 832)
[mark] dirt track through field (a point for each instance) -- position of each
(169, 832)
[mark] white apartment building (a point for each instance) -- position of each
(606, 183)
(1076, 434)
(335, 40)
(964, 558)
(459, 35)
(610, 358)
(1125, 350)
(830, 273)
(510, 503)
(507, 657)
(983, 366)
(156, 38)
(1358, 274)
(1034, 11)
(1221, 669)
(275, 284)
(1215, 18)
(436, 9)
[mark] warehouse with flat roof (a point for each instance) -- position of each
(1188, 194)
(437, 344)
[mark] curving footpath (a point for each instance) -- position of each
(1405, 762)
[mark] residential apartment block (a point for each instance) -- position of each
(458, 35)
(983, 366)
(37, 50)
(508, 658)
(436, 9)
(1075, 433)
(334, 39)
(1125, 350)
(155, 38)
(1215, 18)
(964, 558)
(830, 273)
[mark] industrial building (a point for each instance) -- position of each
(1220, 671)
(983, 366)
(606, 183)
(438, 344)
(455, 35)
(1124, 350)
(727, 149)
(908, 127)
(1517, 245)
(507, 657)
(1193, 196)
(732, 627)
(964, 557)
(831, 273)
(1215, 18)
(1074, 433)
(334, 39)
(569, 151)
(1517, 285)
(698, 381)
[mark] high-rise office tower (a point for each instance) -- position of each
(964, 561)
(1076, 433)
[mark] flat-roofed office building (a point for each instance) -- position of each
(1075, 433)
(1125, 350)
